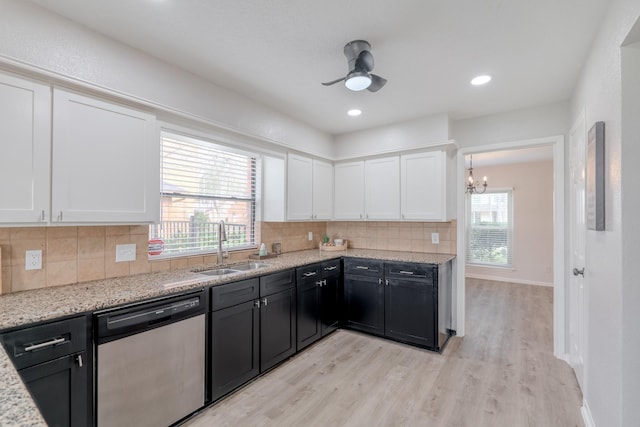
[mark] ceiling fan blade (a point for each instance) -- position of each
(377, 83)
(334, 81)
(364, 61)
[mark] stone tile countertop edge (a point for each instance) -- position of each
(23, 308)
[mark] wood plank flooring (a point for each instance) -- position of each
(502, 373)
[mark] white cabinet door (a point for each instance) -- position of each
(25, 142)
(349, 191)
(382, 188)
(299, 188)
(322, 190)
(423, 186)
(273, 189)
(105, 162)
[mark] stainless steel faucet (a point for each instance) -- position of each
(222, 237)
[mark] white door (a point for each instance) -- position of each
(577, 291)
(299, 188)
(382, 188)
(322, 190)
(25, 138)
(348, 191)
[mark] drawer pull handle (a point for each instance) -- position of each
(408, 273)
(49, 343)
(310, 273)
(362, 267)
(264, 302)
(330, 268)
(79, 358)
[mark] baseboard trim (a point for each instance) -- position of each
(509, 280)
(586, 414)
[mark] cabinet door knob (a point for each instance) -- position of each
(256, 303)
(42, 216)
(79, 359)
(264, 302)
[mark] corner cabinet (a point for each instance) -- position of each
(309, 188)
(25, 135)
(106, 164)
(349, 191)
(423, 186)
(382, 188)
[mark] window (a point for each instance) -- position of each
(202, 184)
(490, 228)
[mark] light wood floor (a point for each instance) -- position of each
(502, 373)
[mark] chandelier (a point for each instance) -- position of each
(472, 184)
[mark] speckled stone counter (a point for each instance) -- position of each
(23, 308)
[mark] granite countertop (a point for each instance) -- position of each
(23, 308)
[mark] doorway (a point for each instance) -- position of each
(557, 145)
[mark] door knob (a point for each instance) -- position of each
(577, 272)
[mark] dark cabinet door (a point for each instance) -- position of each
(59, 388)
(364, 303)
(277, 328)
(235, 333)
(410, 312)
(308, 313)
(330, 304)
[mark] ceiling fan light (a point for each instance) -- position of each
(358, 80)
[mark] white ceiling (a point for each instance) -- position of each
(277, 52)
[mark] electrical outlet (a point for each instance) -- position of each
(435, 238)
(310, 236)
(33, 260)
(126, 252)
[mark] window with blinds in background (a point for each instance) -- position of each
(202, 184)
(490, 229)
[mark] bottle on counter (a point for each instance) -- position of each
(263, 250)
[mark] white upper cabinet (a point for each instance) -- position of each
(309, 188)
(382, 188)
(25, 135)
(273, 189)
(105, 162)
(423, 185)
(322, 190)
(349, 191)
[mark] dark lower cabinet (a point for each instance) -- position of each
(277, 328)
(410, 311)
(330, 296)
(235, 347)
(364, 303)
(54, 361)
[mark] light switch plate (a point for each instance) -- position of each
(126, 252)
(33, 260)
(310, 235)
(435, 238)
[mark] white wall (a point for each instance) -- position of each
(631, 236)
(532, 218)
(412, 134)
(39, 38)
(598, 92)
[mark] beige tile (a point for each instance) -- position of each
(91, 247)
(140, 265)
(417, 245)
(92, 231)
(428, 230)
(163, 265)
(5, 235)
(62, 232)
(110, 243)
(445, 232)
(115, 269)
(405, 233)
(209, 259)
(444, 248)
(90, 269)
(139, 230)
(20, 247)
(6, 280)
(62, 249)
(62, 273)
(195, 260)
(430, 247)
(22, 280)
(398, 244)
(5, 248)
(117, 230)
(177, 263)
(28, 233)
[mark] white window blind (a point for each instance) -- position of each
(202, 184)
(490, 229)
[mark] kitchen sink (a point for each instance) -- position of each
(247, 266)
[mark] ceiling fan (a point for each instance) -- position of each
(361, 64)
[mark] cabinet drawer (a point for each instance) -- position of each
(37, 344)
(277, 282)
(331, 268)
(410, 270)
(309, 273)
(363, 267)
(224, 296)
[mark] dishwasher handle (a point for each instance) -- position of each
(139, 318)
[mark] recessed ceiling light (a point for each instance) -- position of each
(481, 80)
(354, 112)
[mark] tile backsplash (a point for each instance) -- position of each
(80, 254)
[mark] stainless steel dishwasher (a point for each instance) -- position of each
(150, 361)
